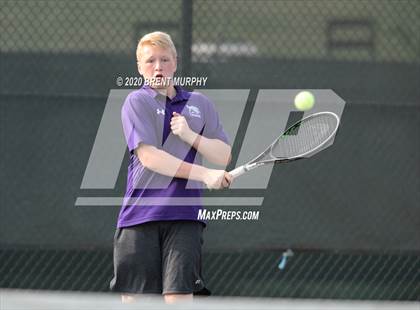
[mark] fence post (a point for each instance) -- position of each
(186, 35)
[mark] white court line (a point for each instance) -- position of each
(176, 201)
(48, 300)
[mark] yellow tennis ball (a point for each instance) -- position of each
(304, 101)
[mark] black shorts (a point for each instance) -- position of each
(159, 258)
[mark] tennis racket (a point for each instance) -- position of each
(301, 140)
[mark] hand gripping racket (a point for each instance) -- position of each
(301, 140)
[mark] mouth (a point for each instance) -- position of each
(160, 80)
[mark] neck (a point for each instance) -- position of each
(169, 91)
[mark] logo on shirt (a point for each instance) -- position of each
(194, 111)
(160, 111)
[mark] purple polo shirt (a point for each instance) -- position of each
(146, 116)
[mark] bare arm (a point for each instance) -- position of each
(214, 150)
(164, 163)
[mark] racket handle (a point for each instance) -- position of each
(237, 172)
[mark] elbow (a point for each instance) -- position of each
(228, 155)
(146, 156)
(229, 159)
(225, 158)
(145, 160)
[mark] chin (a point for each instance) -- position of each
(159, 86)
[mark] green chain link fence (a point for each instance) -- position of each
(58, 61)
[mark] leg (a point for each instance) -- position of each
(128, 298)
(177, 298)
(181, 258)
(137, 262)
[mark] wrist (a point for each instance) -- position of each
(202, 173)
(191, 137)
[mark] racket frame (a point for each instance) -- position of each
(255, 162)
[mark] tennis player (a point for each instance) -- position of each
(168, 130)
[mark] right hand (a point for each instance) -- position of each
(217, 179)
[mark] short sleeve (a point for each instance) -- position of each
(138, 123)
(213, 128)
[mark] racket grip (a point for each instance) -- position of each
(237, 172)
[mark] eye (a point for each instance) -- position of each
(149, 61)
(165, 59)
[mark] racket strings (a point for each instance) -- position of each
(304, 137)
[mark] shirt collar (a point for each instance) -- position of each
(181, 95)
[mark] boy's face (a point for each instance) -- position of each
(156, 64)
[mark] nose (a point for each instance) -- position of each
(158, 66)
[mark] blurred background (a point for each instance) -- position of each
(351, 217)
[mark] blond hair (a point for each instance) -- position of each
(156, 38)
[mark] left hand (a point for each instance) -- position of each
(227, 180)
(180, 128)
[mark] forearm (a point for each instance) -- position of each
(164, 163)
(214, 150)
